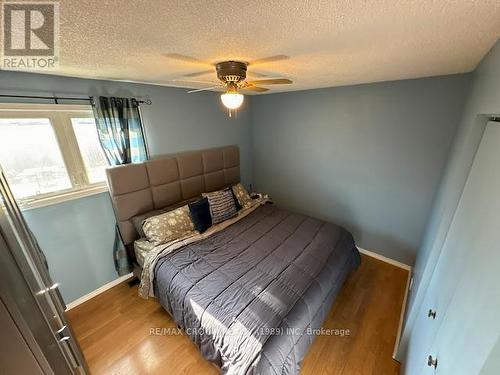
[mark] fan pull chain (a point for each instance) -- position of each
(231, 112)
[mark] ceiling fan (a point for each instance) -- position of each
(232, 76)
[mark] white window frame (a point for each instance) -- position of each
(59, 116)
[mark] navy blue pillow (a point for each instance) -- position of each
(200, 215)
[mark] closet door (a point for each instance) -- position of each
(471, 326)
(450, 265)
(459, 250)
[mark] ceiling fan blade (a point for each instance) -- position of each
(269, 59)
(275, 81)
(255, 88)
(204, 89)
(189, 59)
(197, 74)
(195, 81)
(255, 74)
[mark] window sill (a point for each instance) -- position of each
(62, 196)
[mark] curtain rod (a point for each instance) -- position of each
(56, 99)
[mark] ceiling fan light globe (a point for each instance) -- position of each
(232, 100)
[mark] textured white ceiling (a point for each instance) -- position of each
(330, 43)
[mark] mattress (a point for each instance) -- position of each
(252, 295)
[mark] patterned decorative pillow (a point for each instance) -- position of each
(236, 201)
(168, 226)
(138, 221)
(242, 195)
(222, 206)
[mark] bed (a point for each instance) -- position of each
(251, 292)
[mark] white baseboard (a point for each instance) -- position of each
(402, 317)
(98, 291)
(385, 259)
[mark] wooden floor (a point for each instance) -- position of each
(114, 330)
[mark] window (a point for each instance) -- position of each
(91, 151)
(50, 153)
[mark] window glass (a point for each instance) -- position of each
(90, 148)
(31, 158)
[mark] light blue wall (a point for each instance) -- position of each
(77, 236)
(369, 157)
(483, 100)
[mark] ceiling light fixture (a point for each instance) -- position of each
(232, 99)
(233, 77)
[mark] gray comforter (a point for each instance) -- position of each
(249, 295)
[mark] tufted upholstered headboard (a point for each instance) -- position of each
(167, 180)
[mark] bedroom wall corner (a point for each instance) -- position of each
(368, 157)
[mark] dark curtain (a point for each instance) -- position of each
(119, 126)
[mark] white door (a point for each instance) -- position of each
(457, 253)
(471, 326)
